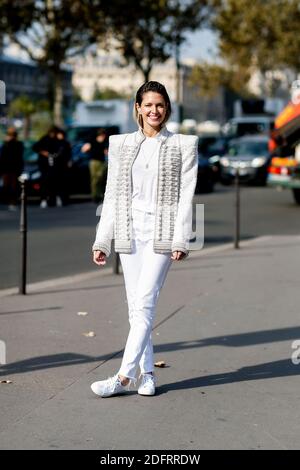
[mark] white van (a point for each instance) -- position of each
(247, 125)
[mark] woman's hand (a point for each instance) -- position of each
(178, 255)
(99, 257)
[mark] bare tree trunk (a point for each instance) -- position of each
(179, 91)
(146, 73)
(58, 100)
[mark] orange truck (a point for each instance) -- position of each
(284, 145)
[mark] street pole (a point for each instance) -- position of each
(237, 208)
(23, 231)
(179, 85)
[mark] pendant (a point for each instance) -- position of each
(147, 166)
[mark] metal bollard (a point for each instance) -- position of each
(23, 230)
(237, 208)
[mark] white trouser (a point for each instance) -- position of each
(144, 273)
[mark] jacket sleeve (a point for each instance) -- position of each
(188, 180)
(105, 227)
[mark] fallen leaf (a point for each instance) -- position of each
(6, 382)
(160, 364)
(90, 334)
(82, 314)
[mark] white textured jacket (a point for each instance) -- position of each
(177, 177)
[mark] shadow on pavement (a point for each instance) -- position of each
(268, 370)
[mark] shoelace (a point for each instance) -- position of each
(148, 378)
(112, 381)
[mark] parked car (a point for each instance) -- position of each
(251, 155)
(213, 148)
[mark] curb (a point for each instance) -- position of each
(37, 286)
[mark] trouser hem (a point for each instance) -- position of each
(132, 379)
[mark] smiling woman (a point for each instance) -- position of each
(152, 107)
(147, 208)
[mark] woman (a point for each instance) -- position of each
(147, 208)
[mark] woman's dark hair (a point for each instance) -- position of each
(53, 130)
(12, 132)
(155, 87)
(61, 131)
(100, 131)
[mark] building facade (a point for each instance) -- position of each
(108, 71)
(27, 78)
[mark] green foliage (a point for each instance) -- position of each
(149, 31)
(209, 77)
(35, 114)
(41, 122)
(253, 36)
(108, 94)
(250, 32)
(25, 106)
(50, 31)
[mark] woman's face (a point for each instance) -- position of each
(152, 109)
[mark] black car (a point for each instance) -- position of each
(210, 149)
(250, 155)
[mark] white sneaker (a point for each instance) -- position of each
(109, 387)
(43, 204)
(147, 386)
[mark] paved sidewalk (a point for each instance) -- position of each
(225, 324)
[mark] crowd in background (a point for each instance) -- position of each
(54, 161)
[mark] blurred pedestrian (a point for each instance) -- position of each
(61, 168)
(54, 154)
(11, 166)
(97, 149)
(147, 209)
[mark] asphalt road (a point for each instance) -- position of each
(60, 239)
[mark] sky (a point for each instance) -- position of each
(200, 45)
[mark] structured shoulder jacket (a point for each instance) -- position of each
(177, 177)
